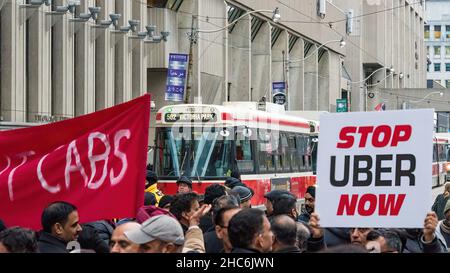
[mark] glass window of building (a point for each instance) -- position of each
(437, 32)
(437, 67)
(447, 83)
(447, 52)
(429, 83)
(427, 32)
(447, 32)
(437, 51)
(447, 67)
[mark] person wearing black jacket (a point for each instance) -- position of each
(284, 229)
(249, 232)
(211, 193)
(60, 226)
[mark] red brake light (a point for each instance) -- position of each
(158, 116)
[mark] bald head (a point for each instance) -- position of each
(120, 243)
(285, 230)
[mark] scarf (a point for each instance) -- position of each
(445, 226)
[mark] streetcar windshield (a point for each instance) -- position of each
(194, 152)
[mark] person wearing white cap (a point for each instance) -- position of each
(159, 234)
(164, 234)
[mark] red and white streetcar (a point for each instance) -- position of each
(270, 149)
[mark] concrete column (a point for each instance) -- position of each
(104, 59)
(296, 77)
(13, 64)
(311, 79)
(39, 63)
(123, 57)
(240, 60)
(262, 64)
(84, 63)
(402, 42)
(279, 52)
(139, 58)
(323, 95)
(334, 70)
(62, 64)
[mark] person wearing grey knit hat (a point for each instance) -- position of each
(245, 195)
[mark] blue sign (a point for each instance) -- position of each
(176, 77)
(278, 87)
(278, 91)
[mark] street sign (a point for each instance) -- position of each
(279, 98)
(374, 169)
(279, 92)
(341, 105)
(176, 77)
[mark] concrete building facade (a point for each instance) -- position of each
(386, 34)
(437, 40)
(57, 65)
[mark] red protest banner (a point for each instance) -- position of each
(96, 162)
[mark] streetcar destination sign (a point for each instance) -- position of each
(374, 169)
(190, 117)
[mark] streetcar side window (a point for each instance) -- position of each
(441, 151)
(304, 152)
(448, 152)
(265, 151)
(294, 159)
(244, 152)
(284, 152)
(435, 152)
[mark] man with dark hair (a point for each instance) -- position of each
(183, 207)
(151, 187)
(383, 241)
(18, 240)
(222, 220)
(310, 200)
(211, 193)
(184, 185)
(272, 197)
(214, 238)
(286, 204)
(249, 232)
(60, 226)
(165, 202)
(284, 229)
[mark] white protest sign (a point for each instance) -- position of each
(374, 168)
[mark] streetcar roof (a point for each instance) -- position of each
(229, 116)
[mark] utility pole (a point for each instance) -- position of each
(192, 40)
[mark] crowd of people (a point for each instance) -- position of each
(222, 221)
